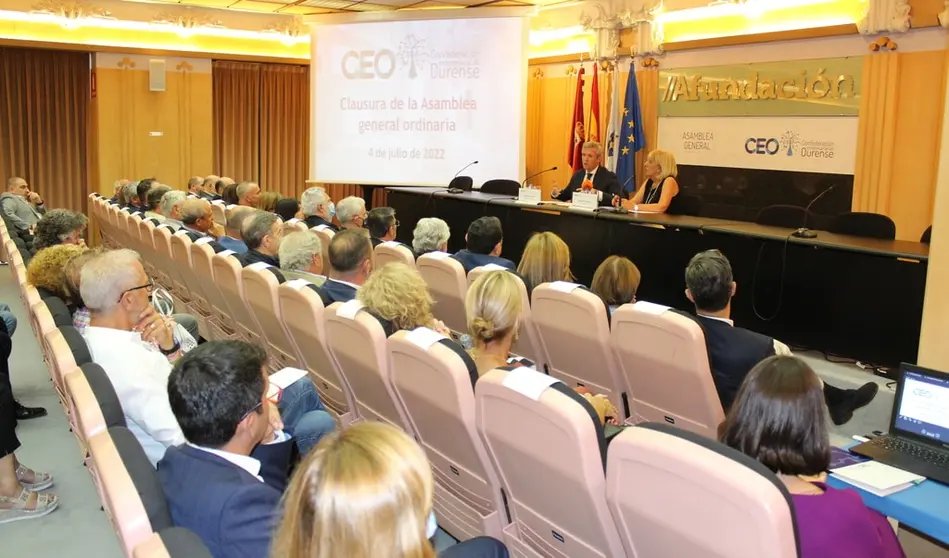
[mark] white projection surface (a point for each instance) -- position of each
(411, 102)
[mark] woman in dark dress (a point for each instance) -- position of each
(659, 190)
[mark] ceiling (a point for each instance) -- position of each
(309, 7)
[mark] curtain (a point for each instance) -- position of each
(284, 128)
(44, 126)
(236, 91)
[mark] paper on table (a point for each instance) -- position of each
(283, 378)
(877, 475)
(650, 307)
(528, 382)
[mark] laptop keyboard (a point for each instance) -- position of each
(919, 451)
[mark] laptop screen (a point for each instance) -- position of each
(924, 405)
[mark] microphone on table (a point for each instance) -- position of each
(524, 182)
(459, 190)
(805, 232)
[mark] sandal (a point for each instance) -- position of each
(45, 504)
(41, 481)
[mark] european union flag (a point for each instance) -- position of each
(631, 138)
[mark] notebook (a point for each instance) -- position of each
(877, 478)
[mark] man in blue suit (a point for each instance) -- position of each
(225, 484)
(350, 256)
(484, 241)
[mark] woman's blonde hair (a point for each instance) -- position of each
(666, 161)
(616, 281)
(493, 305)
(397, 293)
(47, 269)
(268, 201)
(365, 492)
(546, 259)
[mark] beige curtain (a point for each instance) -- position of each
(237, 98)
(44, 127)
(284, 128)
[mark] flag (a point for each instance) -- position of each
(612, 128)
(593, 129)
(631, 137)
(577, 134)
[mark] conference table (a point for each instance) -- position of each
(842, 295)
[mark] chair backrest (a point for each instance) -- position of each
(685, 204)
(227, 277)
(445, 277)
(44, 323)
(120, 498)
(260, 292)
(387, 252)
(60, 312)
(528, 343)
(176, 542)
(184, 275)
(358, 343)
(547, 445)
(859, 223)
(663, 357)
(84, 411)
(575, 331)
(927, 236)
(501, 186)
(222, 324)
(219, 214)
(462, 183)
(164, 264)
(433, 379)
(303, 317)
(61, 362)
(326, 235)
(676, 493)
(77, 345)
(144, 477)
(295, 225)
(105, 395)
(783, 216)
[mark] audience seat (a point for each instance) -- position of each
(434, 380)
(551, 465)
(222, 324)
(61, 362)
(219, 214)
(31, 297)
(859, 223)
(150, 260)
(185, 278)
(162, 237)
(143, 476)
(575, 331)
(84, 412)
(227, 276)
(295, 225)
(303, 317)
(260, 292)
(358, 343)
(60, 312)
(44, 323)
(528, 343)
(677, 493)
(445, 277)
(176, 542)
(105, 395)
(663, 358)
(387, 252)
(326, 235)
(77, 344)
(791, 216)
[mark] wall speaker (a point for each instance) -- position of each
(156, 75)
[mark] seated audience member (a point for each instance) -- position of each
(132, 203)
(493, 306)
(779, 419)
(47, 270)
(229, 195)
(483, 240)
(658, 192)
(351, 212)
(288, 208)
(196, 186)
(59, 226)
(616, 281)
(231, 239)
(117, 192)
(733, 351)
(382, 225)
(144, 186)
(208, 187)
(196, 218)
(225, 484)
(397, 294)
(262, 233)
(431, 234)
(268, 201)
(248, 194)
(317, 208)
(171, 208)
(546, 259)
(154, 204)
(351, 259)
(218, 188)
(124, 328)
(367, 492)
(301, 257)
(20, 206)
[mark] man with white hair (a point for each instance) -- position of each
(248, 194)
(317, 209)
(601, 180)
(431, 234)
(130, 192)
(351, 212)
(301, 257)
(20, 206)
(117, 190)
(171, 209)
(196, 186)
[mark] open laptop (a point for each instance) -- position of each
(918, 440)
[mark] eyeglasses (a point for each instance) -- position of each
(150, 285)
(397, 223)
(275, 398)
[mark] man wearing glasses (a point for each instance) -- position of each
(382, 225)
(135, 346)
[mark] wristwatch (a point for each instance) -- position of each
(173, 350)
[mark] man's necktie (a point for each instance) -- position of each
(590, 176)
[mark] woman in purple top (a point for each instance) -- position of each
(779, 418)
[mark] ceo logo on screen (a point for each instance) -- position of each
(382, 63)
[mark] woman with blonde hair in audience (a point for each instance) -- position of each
(47, 269)
(397, 294)
(546, 259)
(268, 201)
(493, 305)
(779, 418)
(616, 281)
(366, 492)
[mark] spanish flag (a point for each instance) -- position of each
(593, 128)
(577, 134)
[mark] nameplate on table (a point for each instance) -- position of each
(528, 195)
(585, 201)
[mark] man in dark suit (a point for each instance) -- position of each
(317, 208)
(605, 183)
(351, 261)
(262, 233)
(225, 484)
(382, 225)
(484, 241)
(733, 351)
